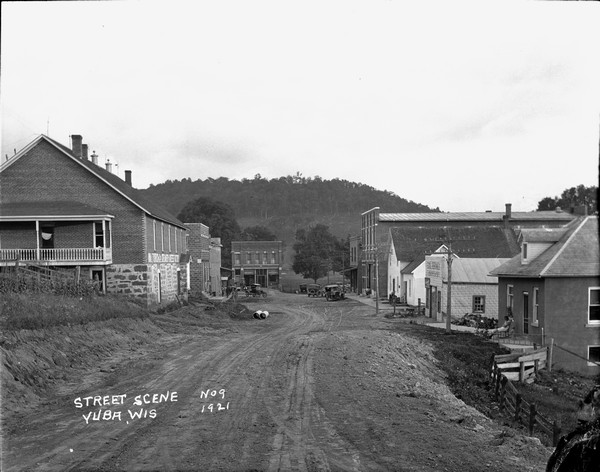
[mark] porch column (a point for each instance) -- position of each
(103, 239)
(37, 240)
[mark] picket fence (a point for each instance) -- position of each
(523, 368)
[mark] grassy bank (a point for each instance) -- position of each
(43, 310)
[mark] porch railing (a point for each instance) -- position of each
(57, 254)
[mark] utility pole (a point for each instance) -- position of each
(376, 280)
(448, 253)
(449, 297)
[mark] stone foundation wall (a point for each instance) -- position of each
(146, 281)
(128, 279)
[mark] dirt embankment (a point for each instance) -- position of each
(37, 364)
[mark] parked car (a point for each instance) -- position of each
(314, 290)
(303, 288)
(255, 290)
(333, 292)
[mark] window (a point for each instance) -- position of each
(524, 249)
(237, 257)
(248, 258)
(478, 304)
(536, 305)
(593, 355)
(265, 257)
(510, 299)
(98, 234)
(272, 257)
(594, 305)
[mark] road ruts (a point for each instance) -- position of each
(272, 421)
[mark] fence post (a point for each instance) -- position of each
(498, 379)
(536, 366)
(502, 392)
(549, 359)
(518, 407)
(532, 414)
(556, 431)
(522, 372)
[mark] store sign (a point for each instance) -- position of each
(433, 268)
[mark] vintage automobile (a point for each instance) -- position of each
(255, 290)
(303, 288)
(333, 292)
(314, 290)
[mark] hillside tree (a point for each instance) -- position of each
(315, 250)
(257, 233)
(220, 219)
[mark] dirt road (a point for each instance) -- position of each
(316, 386)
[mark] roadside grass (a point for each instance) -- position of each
(466, 360)
(43, 310)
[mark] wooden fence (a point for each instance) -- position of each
(521, 367)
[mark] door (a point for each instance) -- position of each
(525, 312)
(98, 279)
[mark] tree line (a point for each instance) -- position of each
(298, 195)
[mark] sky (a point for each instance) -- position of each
(459, 105)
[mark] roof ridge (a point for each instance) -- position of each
(562, 248)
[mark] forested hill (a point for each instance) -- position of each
(291, 196)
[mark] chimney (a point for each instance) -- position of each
(508, 210)
(76, 140)
(94, 158)
(128, 177)
(84, 151)
(108, 165)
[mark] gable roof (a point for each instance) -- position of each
(413, 264)
(575, 254)
(414, 241)
(542, 235)
(110, 179)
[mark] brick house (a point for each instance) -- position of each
(552, 288)
(60, 209)
(378, 231)
(205, 260)
(257, 262)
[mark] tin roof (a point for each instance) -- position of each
(475, 270)
(413, 241)
(475, 216)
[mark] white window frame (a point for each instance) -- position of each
(482, 297)
(154, 235)
(590, 363)
(590, 321)
(510, 297)
(536, 306)
(162, 237)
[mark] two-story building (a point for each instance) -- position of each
(257, 262)
(60, 209)
(552, 288)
